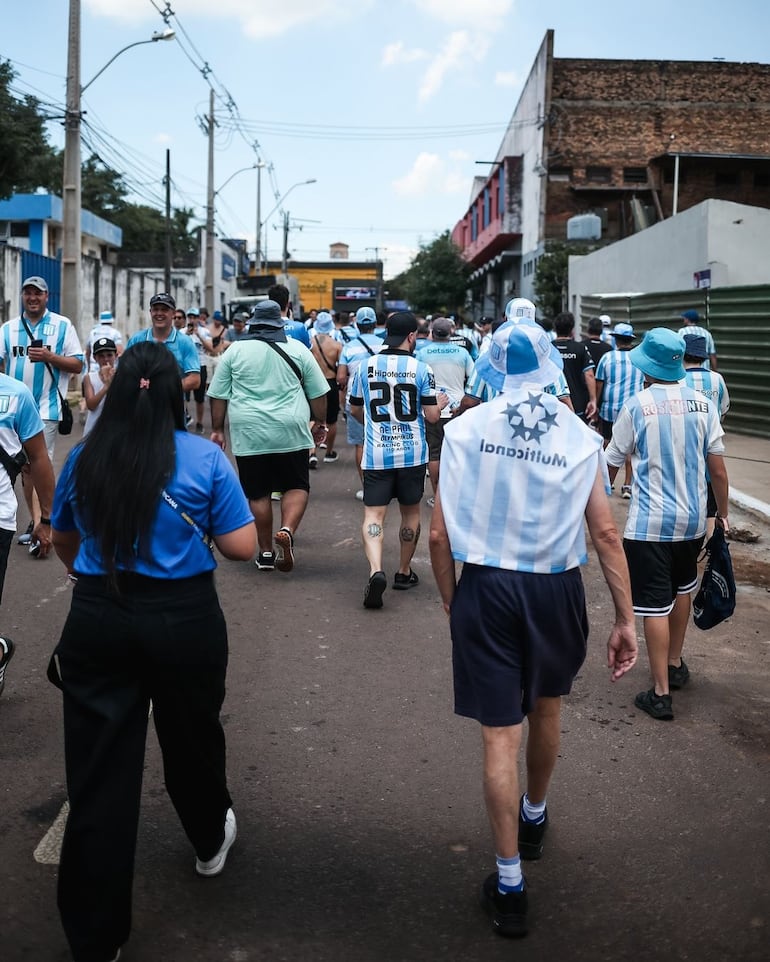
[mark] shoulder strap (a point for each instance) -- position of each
(289, 361)
(176, 507)
(47, 365)
(323, 353)
(371, 352)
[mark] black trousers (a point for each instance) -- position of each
(164, 641)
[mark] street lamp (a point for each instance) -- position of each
(71, 192)
(300, 183)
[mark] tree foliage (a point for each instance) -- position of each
(436, 280)
(551, 276)
(25, 153)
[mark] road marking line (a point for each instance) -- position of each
(49, 849)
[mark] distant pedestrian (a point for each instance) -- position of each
(96, 385)
(693, 326)
(578, 367)
(163, 331)
(104, 328)
(597, 348)
(520, 478)
(326, 349)
(672, 435)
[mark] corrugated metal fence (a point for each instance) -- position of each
(739, 320)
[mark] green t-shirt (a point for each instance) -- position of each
(267, 406)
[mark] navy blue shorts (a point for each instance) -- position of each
(516, 637)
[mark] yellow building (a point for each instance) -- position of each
(338, 285)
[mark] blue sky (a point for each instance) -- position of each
(386, 103)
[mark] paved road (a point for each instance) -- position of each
(362, 834)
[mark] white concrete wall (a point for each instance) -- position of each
(732, 240)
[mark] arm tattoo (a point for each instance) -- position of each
(374, 530)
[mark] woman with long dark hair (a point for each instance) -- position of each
(134, 509)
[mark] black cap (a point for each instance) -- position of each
(400, 326)
(163, 298)
(103, 344)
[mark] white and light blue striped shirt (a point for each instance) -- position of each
(621, 381)
(393, 387)
(668, 431)
(358, 349)
(712, 384)
(516, 476)
(56, 333)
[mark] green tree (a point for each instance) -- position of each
(437, 278)
(551, 276)
(25, 154)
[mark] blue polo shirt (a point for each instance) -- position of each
(204, 486)
(181, 346)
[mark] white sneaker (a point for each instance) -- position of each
(360, 495)
(215, 865)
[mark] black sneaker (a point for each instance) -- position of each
(375, 589)
(656, 706)
(508, 910)
(678, 677)
(402, 582)
(331, 457)
(531, 835)
(312, 462)
(265, 561)
(7, 649)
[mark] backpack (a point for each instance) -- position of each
(715, 600)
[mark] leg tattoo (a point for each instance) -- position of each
(374, 530)
(410, 534)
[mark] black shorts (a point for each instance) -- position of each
(661, 570)
(199, 393)
(605, 429)
(516, 637)
(332, 402)
(407, 485)
(434, 435)
(261, 474)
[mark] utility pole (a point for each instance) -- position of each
(167, 272)
(285, 260)
(208, 298)
(71, 296)
(258, 251)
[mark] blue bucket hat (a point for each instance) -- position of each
(660, 355)
(520, 353)
(324, 323)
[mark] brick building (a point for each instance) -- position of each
(597, 150)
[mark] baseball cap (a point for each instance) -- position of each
(103, 344)
(660, 355)
(324, 323)
(520, 353)
(365, 317)
(39, 282)
(520, 309)
(267, 314)
(400, 325)
(217, 316)
(605, 319)
(193, 312)
(441, 328)
(622, 329)
(163, 298)
(695, 346)
(106, 316)
(693, 317)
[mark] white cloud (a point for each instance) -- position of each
(459, 155)
(485, 15)
(397, 257)
(430, 174)
(163, 139)
(507, 78)
(258, 18)
(396, 53)
(459, 48)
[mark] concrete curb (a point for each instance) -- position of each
(753, 505)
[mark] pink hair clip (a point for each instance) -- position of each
(144, 382)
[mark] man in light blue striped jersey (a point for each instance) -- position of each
(520, 475)
(672, 434)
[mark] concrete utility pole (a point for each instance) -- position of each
(167, 271)
(208, 297)
(71, 296)
(258, 250)
(285, 259)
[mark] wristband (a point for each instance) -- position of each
(45, 521)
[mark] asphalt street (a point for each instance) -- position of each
(362, 832)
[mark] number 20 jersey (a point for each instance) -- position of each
(393, 388)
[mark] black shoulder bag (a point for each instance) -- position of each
(65, 422)
(13, 464)
(715, 600)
